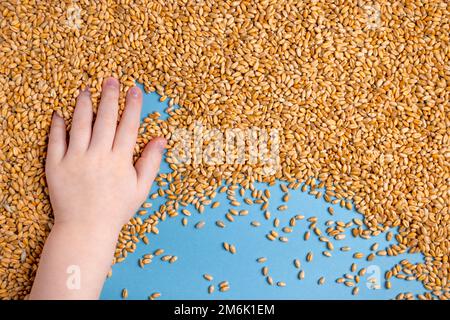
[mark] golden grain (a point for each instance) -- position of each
(261, 259)
(220, 224)
(166, 258)
(208, 277)
(349, 283)
(255, 223)
(307, 235)
(215, 205)
(358, 255)
(155, 295)
(200, 224)
(276, 222)
(301, 275)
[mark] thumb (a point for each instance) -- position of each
(148, 164)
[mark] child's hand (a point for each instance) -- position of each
(94, 190)
(92, 180)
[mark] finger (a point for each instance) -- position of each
(106, 121)
(148, 164)
(80, 133)
(57, 144)
(127, 130)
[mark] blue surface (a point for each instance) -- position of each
(200, 251)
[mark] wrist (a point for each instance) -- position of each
(98, 231)
(86, 248)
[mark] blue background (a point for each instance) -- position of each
(200, 251)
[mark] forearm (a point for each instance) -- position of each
(74, 262)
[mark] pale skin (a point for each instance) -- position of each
(94, 190)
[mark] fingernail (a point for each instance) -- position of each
(111, 82)
(134, 92)
(56, 116)
(86, 90)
